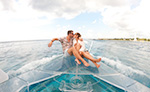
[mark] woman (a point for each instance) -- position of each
(80, 47)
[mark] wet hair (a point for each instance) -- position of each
(69, 31)
(78, 34)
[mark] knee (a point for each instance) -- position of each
(87, 52)
(73, 48)
(81, 52)
(78, 45)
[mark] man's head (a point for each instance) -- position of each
(70, 33)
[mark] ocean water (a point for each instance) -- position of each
(130, 58)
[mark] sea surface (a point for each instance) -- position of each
(130, 58)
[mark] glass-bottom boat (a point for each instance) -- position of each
(64, 74)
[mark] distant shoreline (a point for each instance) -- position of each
(125, 39)
(119, 39)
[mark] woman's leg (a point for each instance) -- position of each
(77, 60)
(77, 47)
(97, 65)
(88, 56)
(91, 58)
(73, 51)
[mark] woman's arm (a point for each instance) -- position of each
(81, 39)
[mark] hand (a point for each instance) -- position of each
(80, 39)
(50, 44)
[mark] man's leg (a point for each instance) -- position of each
(73, 51)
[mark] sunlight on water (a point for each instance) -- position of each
(129, 58)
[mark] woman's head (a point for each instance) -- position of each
(77, 35)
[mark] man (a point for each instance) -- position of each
(67, 45)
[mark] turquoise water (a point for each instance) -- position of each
(128, 58)
(50, 85)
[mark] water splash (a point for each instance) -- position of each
(33, 65)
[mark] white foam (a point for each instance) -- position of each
(34, 64)
(127, 70)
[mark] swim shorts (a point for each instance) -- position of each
(66, 54)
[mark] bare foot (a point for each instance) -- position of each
(98, 60)
(86, 64)
(77, 60)
(98, 65)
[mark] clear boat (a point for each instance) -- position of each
(64, 74)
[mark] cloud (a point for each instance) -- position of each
(70, 9)
(124, 17)
(21, 22)
(94, 21)
(6, 4)
(117, 14)
(129, 20)
(60, 8)
(117, 17)
(89, 34)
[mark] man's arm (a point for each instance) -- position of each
(51, 42)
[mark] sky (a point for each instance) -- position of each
(47, 19)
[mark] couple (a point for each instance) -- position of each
(75, 47)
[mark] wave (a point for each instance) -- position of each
(120, 67)
(135, 74)
(33, 65)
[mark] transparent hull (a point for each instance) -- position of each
(63, 74)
